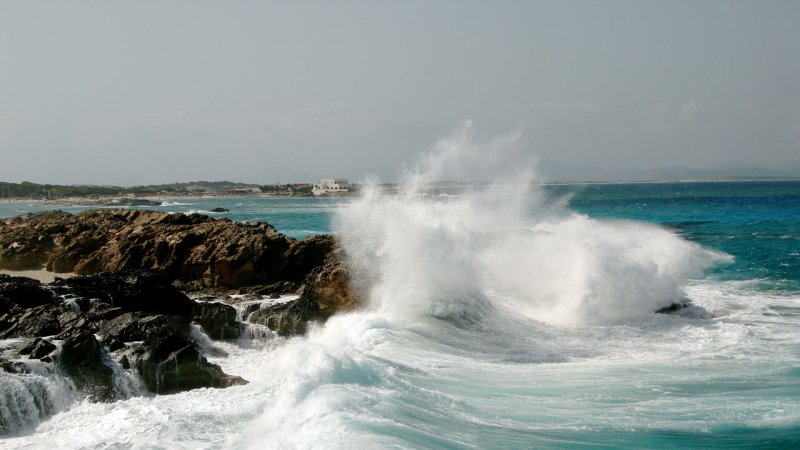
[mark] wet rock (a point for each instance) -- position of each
(218, 320)
(139, 315)
(220, 210)
(150, 292)
(326, 291)
(82, 358)
(38, 348)
(13, 367)
(22, 292)
(281, 287)
(31, 322)
(174, 364)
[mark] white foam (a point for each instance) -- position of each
(441, 257)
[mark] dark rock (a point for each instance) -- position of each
(131, 291)
(82, 358)
(281, 287)
(32, 322)
(22, 292)
(218, 320)
(139, 314)
(38, 348)
(175, 364)
(675, 306)
(13, 367)
(220, 210)
(327, 290)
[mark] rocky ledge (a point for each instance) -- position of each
(197, 251)
(88, 326)
(128, 316)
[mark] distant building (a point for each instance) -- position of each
(329, 186)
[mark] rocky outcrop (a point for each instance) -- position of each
(195, 250)
(326, 291)
(82, 358)
(189, 251)
(142, 320)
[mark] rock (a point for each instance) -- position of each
(192, 249)
(218, 320)
(32, 322)
(13, 367)
(22, 292)
(149, 292)
(139, 315)
(38, 348)
(82, 358)
(281, 287)
(175, 364)
(326, 291)
(220, 210)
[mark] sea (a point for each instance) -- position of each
(502, 316)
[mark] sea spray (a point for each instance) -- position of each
(35, 392)
(447, 256)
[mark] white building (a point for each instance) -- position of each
(329, 186)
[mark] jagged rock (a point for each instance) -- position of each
(175, 364)
(32, 322)
(327, 290)
(12, 367)
(22, 292)
(149, 323)
(38, 348)
(82, 358)
(218, 320)
(131, 291)
(194, 249)
(281, 287)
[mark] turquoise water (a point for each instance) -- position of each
(757, 222)
(295, 217)
(495, 320)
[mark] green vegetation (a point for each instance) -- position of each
(29, 190)
(296, 189)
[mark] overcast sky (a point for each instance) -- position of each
(149, 92)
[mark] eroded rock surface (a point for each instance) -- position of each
(196, 250)
(139, 316)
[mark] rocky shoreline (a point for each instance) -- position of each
(126, 326)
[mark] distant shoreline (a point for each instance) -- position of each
(107, 200)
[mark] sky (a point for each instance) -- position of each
(140, 92)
